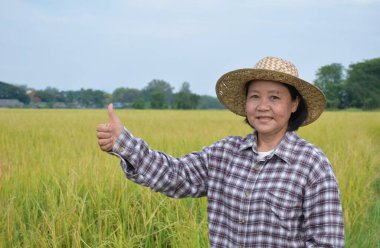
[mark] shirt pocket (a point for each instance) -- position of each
(285, 208)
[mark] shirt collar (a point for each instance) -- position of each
(284, 150)
(249, 142)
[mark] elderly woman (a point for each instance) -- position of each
(268, 189)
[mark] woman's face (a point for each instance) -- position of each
(269, 106)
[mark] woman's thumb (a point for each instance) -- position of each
(111, 114)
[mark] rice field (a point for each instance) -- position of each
(57, 189)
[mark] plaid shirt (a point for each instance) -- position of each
(289, 199)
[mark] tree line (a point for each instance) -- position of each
(158, 94)
(358, 86)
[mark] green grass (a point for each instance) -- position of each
(57, 189)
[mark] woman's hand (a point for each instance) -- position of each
(108, 133)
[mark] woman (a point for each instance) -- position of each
(268, 189)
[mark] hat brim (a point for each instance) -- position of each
(230, 90)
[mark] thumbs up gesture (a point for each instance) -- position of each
(108, 133)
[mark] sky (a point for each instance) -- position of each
(105, 45)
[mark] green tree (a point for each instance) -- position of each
(138, 104)
(9, 91)
(50, 95)
(71, 96)
(209, 102)
(363, 84)
(157, 100)
(159, 93)
(184, 99)
(126, 95)
(90, 98)
(330, 80)
(185, 87)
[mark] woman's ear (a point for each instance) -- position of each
(295, 103)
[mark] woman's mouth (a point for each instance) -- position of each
(264, 118)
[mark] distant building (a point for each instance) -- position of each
(11, 103)
(59, 105)
(118, 105)
(33, 98)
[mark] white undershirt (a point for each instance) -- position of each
(262, 155)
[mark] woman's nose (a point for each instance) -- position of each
(263, 104)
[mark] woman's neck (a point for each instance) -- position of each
(268, 142)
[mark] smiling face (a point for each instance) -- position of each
(269, 106)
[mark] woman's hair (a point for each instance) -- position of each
(298, 117)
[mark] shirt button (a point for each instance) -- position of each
(257, 168)
(121, 149)
(242, 221)
(247, 193)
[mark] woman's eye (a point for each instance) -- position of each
(274, 98)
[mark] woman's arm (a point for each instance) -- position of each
(323, 218)
(175, 177)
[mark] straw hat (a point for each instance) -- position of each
(230, 88)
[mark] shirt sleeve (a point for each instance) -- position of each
(323, 219)
(175, 177)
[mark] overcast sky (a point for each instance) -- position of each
(104, 45)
